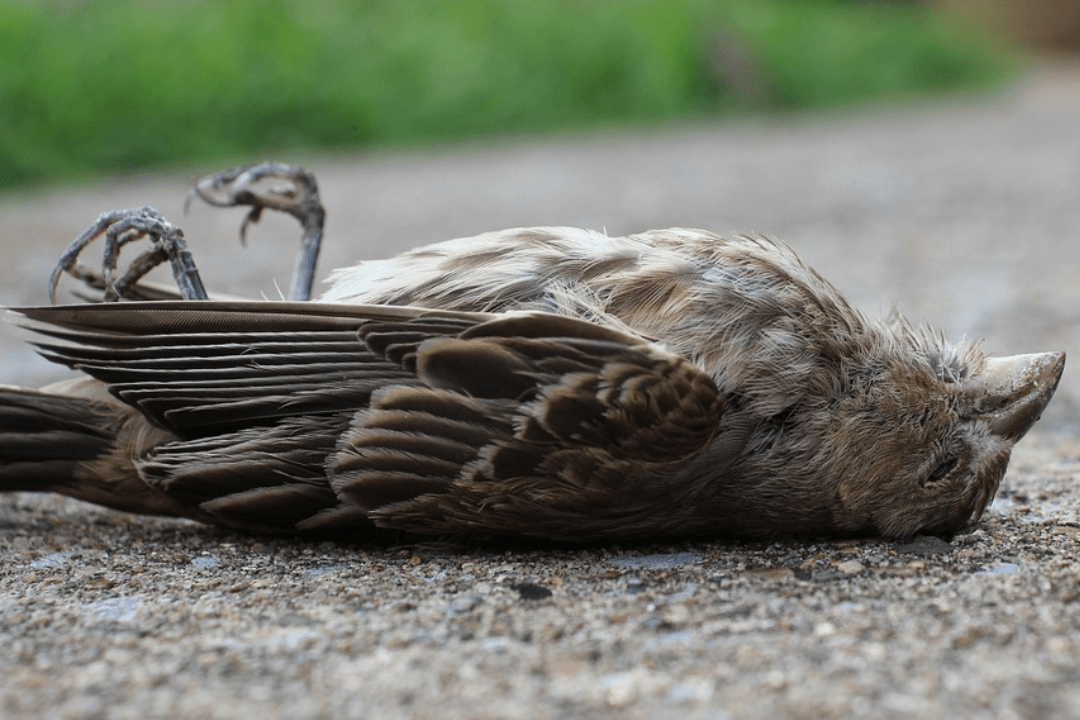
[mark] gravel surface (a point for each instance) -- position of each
(964, 214)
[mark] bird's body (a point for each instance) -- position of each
(546, 382)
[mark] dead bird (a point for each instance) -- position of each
(545, 382)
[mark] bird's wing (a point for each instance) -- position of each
(256, 392)
(427, 421)
(204, 368)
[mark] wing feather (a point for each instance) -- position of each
(574, 431)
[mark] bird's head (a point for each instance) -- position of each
(926, 443)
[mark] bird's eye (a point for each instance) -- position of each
(940, 472)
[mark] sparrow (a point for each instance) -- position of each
(551, 383)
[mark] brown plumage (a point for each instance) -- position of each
(549, 382)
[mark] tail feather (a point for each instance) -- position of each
(44, 437)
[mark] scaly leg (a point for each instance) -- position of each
(121, 227)
(299, 197)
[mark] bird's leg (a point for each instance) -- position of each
(299, 197)
(121, 227)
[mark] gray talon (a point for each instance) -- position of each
(299, 197)
(121, 227)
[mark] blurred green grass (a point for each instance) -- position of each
(117, 85)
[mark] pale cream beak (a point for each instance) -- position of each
(1011, 392)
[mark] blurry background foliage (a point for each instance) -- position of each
(116, 85)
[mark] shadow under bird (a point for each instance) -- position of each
(547, 382)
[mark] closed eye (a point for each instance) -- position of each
(940, 472)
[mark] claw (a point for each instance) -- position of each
(121, 227)
(299, 197)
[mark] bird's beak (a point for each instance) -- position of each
(1011, 392)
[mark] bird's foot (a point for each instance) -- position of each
(121, 227)
(298, 196)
